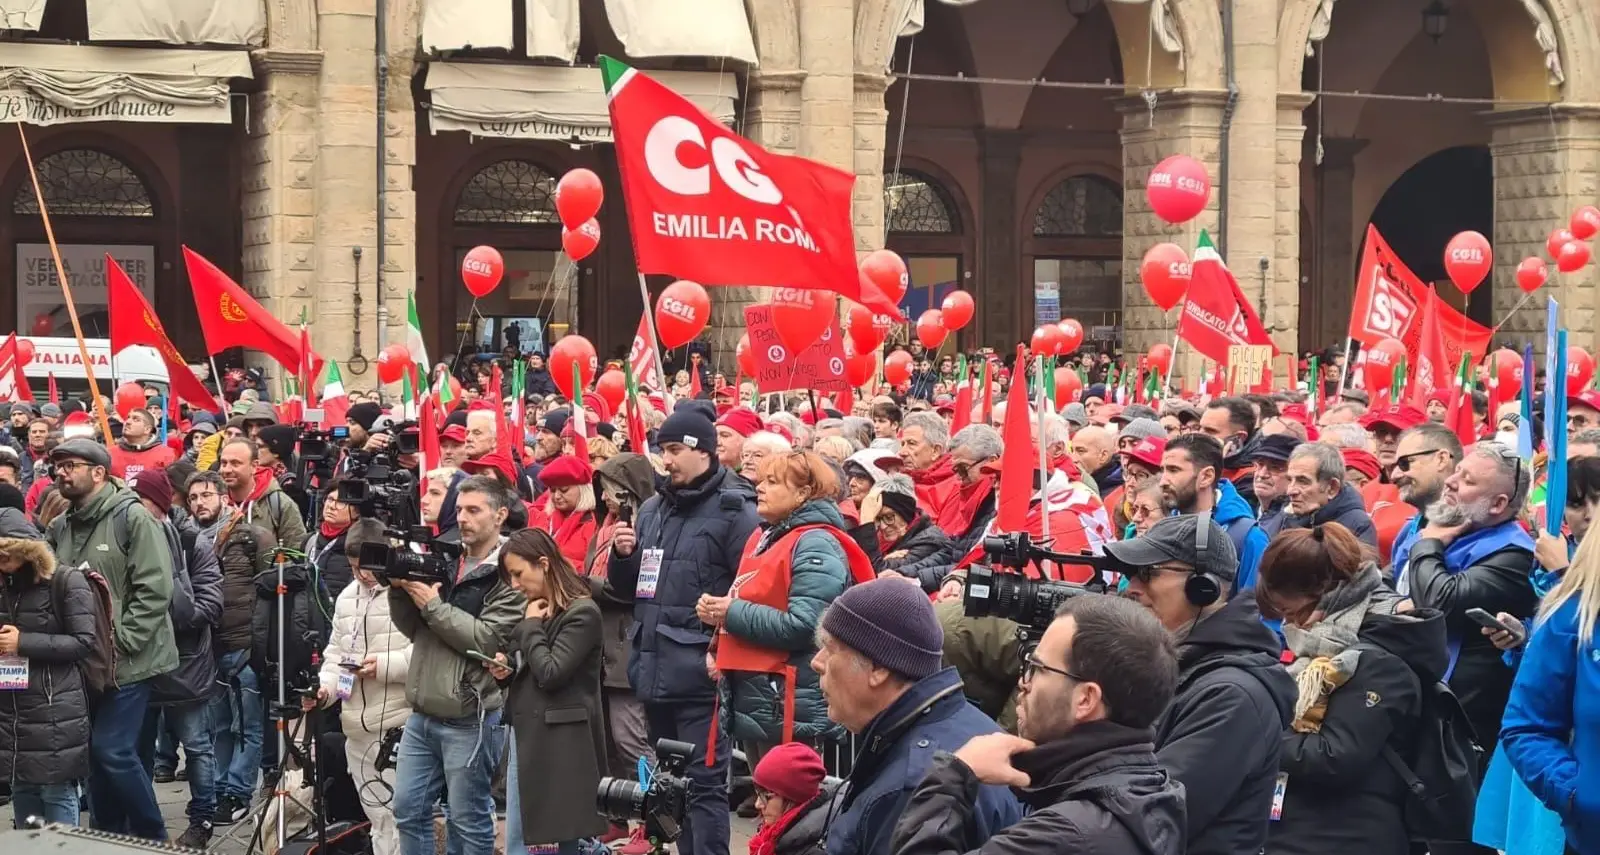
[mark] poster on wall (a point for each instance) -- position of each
(1046, 302)
(40, 310)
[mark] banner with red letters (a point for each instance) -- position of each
(1390, 302)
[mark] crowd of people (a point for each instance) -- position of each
(1326, 628)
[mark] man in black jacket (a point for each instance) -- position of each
(1084, 763)
(1319, 493)
(1234, 697)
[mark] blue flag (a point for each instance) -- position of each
(1555, 421)
(1525, 427)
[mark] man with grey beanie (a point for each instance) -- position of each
(879, 660)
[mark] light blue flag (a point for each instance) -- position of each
(1525, 426)
(1555, 421)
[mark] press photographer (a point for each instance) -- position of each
(1084, 763)
(455, 724)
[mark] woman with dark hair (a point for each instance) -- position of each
(1362, 654)
(557, 745)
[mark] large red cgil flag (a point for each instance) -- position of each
(133, 322)
(1018, 460)
(707, 204)
(229, 317)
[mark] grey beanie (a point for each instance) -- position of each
(1142, 429)
(891, 623)
(1075, 414)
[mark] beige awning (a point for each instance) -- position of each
(21, 14)
(179, 22)
(552, 26)
(718, 28)
(548, 102)
(49, 84)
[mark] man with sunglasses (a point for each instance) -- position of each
(1424, 457)
(1234, 698)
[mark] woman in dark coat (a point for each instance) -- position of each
(44, 730)
(558, 742)
(906, 535)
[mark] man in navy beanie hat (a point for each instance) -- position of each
(880, 664)
(682, 550)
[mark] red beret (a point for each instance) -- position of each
(1362, 461)
(792, 771)
(741, 420)
(483, 404)
(566, 471)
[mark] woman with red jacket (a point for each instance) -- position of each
(567, 511)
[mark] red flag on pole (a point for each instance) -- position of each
(229, 317)
(1017, 460)
(1431, 360)
(133, 322)
(988, 393)
(13, 385)
(55, 396)
(963, 414)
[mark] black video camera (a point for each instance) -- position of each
(1030, 603)
(434, 564)
(659, 803)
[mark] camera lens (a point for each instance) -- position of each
(620, 799)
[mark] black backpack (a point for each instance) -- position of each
(1440, 769)
(307, 617)
(100, 669)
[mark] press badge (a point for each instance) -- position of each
(649, 574)
(13, 673)
(1277, 795)
(347, 685)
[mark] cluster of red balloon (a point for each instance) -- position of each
(578, 197)
(1507, 364)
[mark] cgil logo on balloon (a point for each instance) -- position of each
(677, 309)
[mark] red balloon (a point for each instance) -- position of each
(1073, 332)
(1381, 358)
(24, 351)
(1468, 258)
(863, 330)
(1580, 369)
(393, 362)
(884, 324)
(682, 311)
(801, 316)
(859, 366)
(1531, 273)
(578, 197)
(1585, 222)
(887, 270)
(958, 309)
(1507, 364)
(481, 270)
(1178, 189)
(1573, 256)
(1165, 273)
(569, 351)
(581, 241)
(1556, 240)
(612, 387)
(42, 325)
(746, 359)
(930, 329)
(129, 397)
(1048, 340)
(1068, 386)
(897, 368)
(1160, 358)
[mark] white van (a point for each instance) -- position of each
(61, 357)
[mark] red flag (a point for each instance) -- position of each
(13, 385)
(695, 388)
(307, 373)
(988, 392)
(502, 425)
(1460, 416)
(845, 401)
(1017, 461)
(1216, 314)
(707, 204)
(1431, 365)
(1390, 302)
(229, 317)
(133, 322)
(55, 396)
(642, 357)
(428, 441)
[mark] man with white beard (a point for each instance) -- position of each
(1472, 553)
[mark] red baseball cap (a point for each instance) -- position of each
(1148, 451)
(1399, 417)
(1587, 398)
(454, 433)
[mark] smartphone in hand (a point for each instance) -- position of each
(1488, 621)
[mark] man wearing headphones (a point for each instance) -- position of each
(1221, 734)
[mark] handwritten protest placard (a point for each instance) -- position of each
(819, 367)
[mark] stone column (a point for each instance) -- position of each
(1336, 243)
(280, 189)
(1006, 314)
(1253, 209)
(1279, 301)
(870, 138)
(400, 197)
(1546, 164)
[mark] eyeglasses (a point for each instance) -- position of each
(1403, 462)
(1145, 574)
(1033, 665)
(1508, 454)
(71, 466)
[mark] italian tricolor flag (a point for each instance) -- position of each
(335, 403)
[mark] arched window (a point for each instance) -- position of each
(84, 182)
(914, 204)
(509, 191)
(1081, 206)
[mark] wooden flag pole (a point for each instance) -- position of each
(66, 293)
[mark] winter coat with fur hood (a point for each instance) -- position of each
(44, 729)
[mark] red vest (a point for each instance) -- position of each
(126, 463)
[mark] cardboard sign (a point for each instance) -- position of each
(1246, 365)
(819, 367)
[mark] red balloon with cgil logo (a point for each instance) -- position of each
(393, 362)
(861, 329)
(1165, 273)
(24, 351)
(1381, 358)
(482, 269)
(569, 351)
(1532, 273)
(887, 270)
(1468, 260)
(801, 316)
(682, 311)
(1507, 365)
(1178, 189)
(930, 329)
(1585, 222)
(1557, 239)
(1159, 357)
(1573, 256)
(897, 368)
(1047, 341)
(129, 397)
(859, 366)
(1072, 336)
(1580, 369)
(958, 309)
(746, 359)
(580, 242)
(578, 197)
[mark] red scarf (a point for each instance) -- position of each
(330, 531)
(765, 841)
(958, 514)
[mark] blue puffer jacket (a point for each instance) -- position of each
(1233, 513)
(898, 749)
(700, 530)
(819, 572)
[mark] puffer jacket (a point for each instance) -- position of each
(244, 551)
(1346, 508)
(44, 729)
(196, 608)
(362, 628)
(700, 529)
(819, 572)
(630, 474)
(923, 539)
